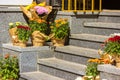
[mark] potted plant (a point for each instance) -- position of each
(92, 72)
(59, 31)
(9, 68)
(37, 14)
(36, 11)
(39, 30)
(20, 33)
(112, 47)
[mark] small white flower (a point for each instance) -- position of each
(14, 37)
(79, 78)
(115, 34)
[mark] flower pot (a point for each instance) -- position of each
(117, 60)
(88, 77)
(58, 42)
(20, 43)
(13, 34)
(37, 38)
(14, 38)
(91, 78)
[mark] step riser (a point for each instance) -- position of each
(72, 58)
(58, 73)
(99, 31)
(85, 44)
(106, 18)
(45, 54)
(108, 76)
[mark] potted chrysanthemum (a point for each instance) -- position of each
(59, 31)
(112, 47)
(37, 14)
(9, 67)
(19, 33)
(39, 29)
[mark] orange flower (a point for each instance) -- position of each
(7, 56)
(14, 56)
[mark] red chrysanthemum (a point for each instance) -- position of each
(24, 27)
(114, 39)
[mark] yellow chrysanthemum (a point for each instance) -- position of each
(31, 5)
(51, 27)
(17, 23)
(42, 4)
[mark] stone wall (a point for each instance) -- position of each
(8, 15)
(76, 20)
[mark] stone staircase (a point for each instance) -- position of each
(69, 62)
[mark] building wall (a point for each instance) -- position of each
(8, 15)
(76, 20)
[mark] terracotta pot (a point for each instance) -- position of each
(37, 38)
(58, 42)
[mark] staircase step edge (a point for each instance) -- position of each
(89, 37)
(64, 65)
(38, 76)
(104, 25)
(80, 51)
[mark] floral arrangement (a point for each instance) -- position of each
(36, 11)
(60, 28)
(112, 48)
(37, 15)
(9, 68)
(23, 31)
(91, 69)
(112, 45)
(12, 25)
(41, 26)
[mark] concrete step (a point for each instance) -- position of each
(76, 54)
(109, 16)
(61, 68)
(109, 72)
(101, 28)
(104, 25)
(38, 76)
(87, 40)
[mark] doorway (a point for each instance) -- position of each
(111, 4)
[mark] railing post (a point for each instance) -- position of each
(84, 5)
(63, 4)
(100, 5)
(88, 5)
(69, 2)
(75, 5)
(92, 5)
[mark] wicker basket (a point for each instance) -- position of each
(14, 38)
(58, 42)
(117, 60)
(37, 38)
